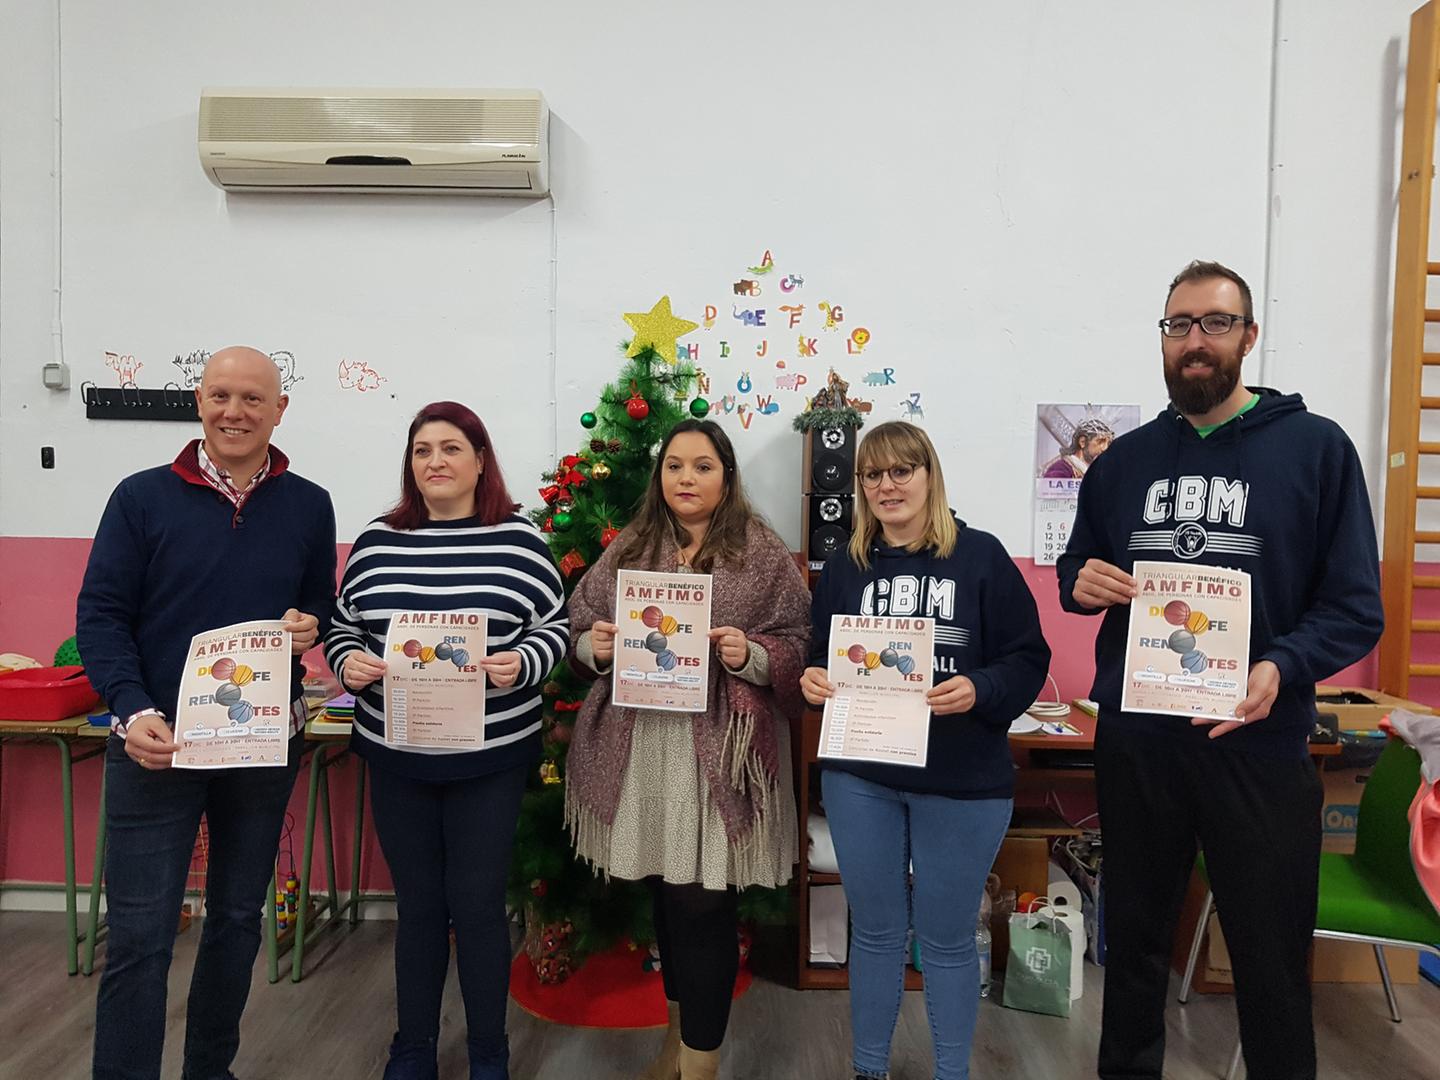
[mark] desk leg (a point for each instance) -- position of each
(67, 797)
(272, 942)
(329, 832)
(356, 843)
(97, 877)
(317, 769)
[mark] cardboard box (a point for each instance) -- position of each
(1023, 865)
(1354, 962)
(1359, 709)
(1341, 809)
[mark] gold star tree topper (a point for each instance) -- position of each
(657, 328)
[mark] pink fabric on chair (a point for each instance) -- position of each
(1423, 734)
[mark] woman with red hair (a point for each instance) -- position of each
(446, 817)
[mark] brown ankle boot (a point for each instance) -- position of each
(666, 1066)
(698, 1064)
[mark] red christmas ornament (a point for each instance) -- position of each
(608, 534)
(637, 406)
(571, 562)
(550, 494)
(547, 526)
(569, 706)
(570, 461)
(540, 887)
(573, 478)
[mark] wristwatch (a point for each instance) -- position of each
(120, 727)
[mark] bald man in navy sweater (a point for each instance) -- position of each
(224, 534)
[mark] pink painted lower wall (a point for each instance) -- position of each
(41, 577)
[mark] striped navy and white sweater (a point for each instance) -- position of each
(506, 571)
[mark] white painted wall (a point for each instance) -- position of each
(999, 192)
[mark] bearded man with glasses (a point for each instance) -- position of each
(1244, 478)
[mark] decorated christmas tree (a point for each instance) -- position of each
(587, 499)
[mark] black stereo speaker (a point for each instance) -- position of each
(828, 482)
(829, 461)
(827, 525)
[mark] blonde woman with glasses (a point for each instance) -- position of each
(911, 556)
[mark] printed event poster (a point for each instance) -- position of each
(234, 704)
(434, 685)
(1188, 651)
(1067, 439)
(881, 669)
(662, 652)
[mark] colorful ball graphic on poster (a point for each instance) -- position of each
(1176, 612)
(668, 625)
(1194, 661)
(1182, 641)
(460, 657)
(651, 616)
(244, 675)
(228, 694)
(656, 642)
(872, 661)
(905, 665)
(427, 654)
(889, 657)
(443, 650)
(665, 660)
(411, 648)
(242, 712)
(856, 654)
(223, 668)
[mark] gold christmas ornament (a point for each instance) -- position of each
(600, 471)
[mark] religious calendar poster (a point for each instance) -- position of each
(1067, 439)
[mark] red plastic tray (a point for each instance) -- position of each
(45, 694)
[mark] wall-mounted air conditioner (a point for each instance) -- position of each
(435, 142)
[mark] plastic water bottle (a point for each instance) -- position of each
(982, 935)
(982, 951)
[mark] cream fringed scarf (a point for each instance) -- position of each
(735, 741)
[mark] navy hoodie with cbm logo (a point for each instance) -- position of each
(986, 628)
(1276, 492)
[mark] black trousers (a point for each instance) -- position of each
(448, 845)
(1258, 821)
(695, 929)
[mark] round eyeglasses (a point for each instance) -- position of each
(899, 474)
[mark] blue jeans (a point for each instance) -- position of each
(878, 833)
(153, 817)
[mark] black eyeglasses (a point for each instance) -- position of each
(900, 474)
(1214, 324)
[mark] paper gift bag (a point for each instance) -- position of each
(1037, 977)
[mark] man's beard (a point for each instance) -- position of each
(1195, 397)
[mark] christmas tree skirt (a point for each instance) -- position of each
(611, 989)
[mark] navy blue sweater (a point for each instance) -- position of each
(1277, 492)
(505, 570)
(173, 558)
(986, 628)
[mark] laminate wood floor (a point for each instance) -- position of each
(337, 1024)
